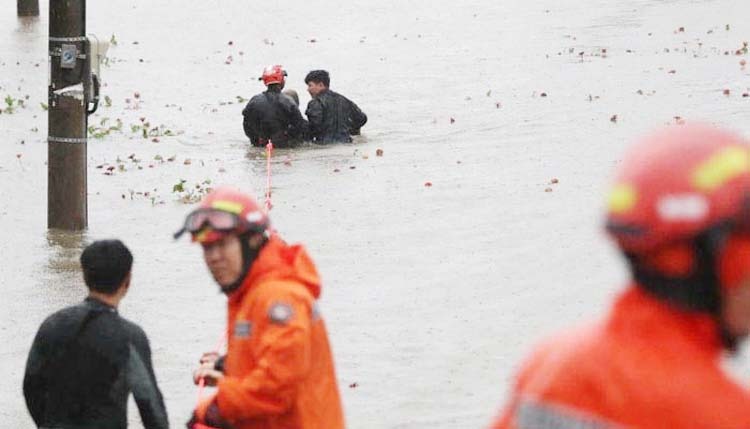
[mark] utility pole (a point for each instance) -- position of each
(68, 105)
(28, 7)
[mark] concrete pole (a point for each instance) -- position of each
(66, 163)
(28, 7)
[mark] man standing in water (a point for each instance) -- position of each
(273, 115)
(86, 359)
(278, 372)
(679, 211)
(332, 117)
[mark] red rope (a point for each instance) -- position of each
(202, 381)
(269, 152)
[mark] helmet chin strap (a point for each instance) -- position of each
(698, 292)
(249, 255)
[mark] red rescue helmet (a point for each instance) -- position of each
(274, 74)
(225, 210)
(676, 184)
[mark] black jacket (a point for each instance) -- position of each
(333, 118)
(273, 115)
(84, 362)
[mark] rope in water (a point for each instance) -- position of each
(269, 152)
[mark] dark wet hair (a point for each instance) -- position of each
(105, 265)
(318, 76)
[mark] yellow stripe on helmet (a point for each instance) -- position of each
(622, 199)
(227, 206)
(721, 168)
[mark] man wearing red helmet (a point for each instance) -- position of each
(278, 371)
(680, 212)
(272, 115)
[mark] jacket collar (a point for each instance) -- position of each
(98, 305)
(278, 260)
(637, 314)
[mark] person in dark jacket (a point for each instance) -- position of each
(332, 117)
(273, 115)
(86, 359)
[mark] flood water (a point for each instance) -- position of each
(432, 294)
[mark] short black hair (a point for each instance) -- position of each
(318, 76)
(105, 265)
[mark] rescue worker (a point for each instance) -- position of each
(278, 371)
(86, 359)
(332, 117)
(273, 115)
(679, 211)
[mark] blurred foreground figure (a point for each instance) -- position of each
(278, 372)
(680, 212)
(86, 359)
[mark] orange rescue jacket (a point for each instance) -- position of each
(279, 371)
(647, 366)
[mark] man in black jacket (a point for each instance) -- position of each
(273, 115)
(332, 117)
(86, 359)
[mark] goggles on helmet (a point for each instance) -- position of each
(218, 220)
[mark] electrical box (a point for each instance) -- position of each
(96, 51)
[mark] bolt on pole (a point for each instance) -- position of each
(67, 120)
(28, 7)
